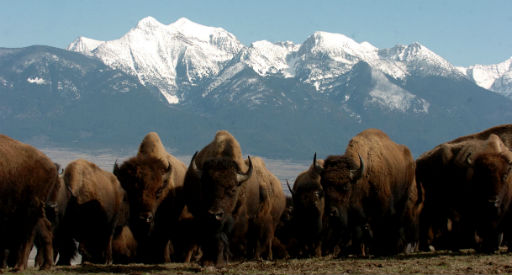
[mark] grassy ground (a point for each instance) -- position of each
(443, 262)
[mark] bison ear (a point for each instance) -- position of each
(240, 177)
(356, 174)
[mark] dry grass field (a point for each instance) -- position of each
(441, 262)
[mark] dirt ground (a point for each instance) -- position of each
(441, 262)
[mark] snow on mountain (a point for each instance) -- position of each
(185, 53)
(418, 59)
(266, 58)
(325, 56)
(84, 45)
(164, 54)
(496, 77)
(392, 97)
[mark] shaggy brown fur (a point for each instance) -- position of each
(27, 177)
(153, 180)
(368, 206)
(240, 216)
(124, 246)
(308, 206)
(92, 214)
(55, 211)
(444, 172)
(491, 195)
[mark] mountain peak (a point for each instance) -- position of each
(148, 22)
(200, 32)
(495, 77)
(84, 45)
(336, 44)
(183, 21)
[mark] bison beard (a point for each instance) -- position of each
(216, 243)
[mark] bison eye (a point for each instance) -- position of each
(159, 192)
(232, 191)
(343, 188)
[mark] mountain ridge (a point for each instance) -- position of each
(281, 100)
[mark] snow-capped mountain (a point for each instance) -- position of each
(184, 54)
(166, 56)
(84, 45)
(496, 77)
(281, 100)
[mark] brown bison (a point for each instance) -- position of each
(92, 214)
(367, 194)
(491, 195)
(445, 173)
(153, 180)
(55, 211)
(238, 203)
(284, 244)
(308, 210)
(27, 178)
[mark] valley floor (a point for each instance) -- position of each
(440, 262)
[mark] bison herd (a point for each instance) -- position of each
(374, 199)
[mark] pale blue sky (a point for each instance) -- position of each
(464, 32)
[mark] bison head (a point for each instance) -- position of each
(491, 196)
(146, 181)
(220, 182)
(339, 177)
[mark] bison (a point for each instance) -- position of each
(237, 202)
(153, 180)
(93, 213)
(491, 195)
(27, 178)
(445, 172)
(308, 210)
(284, 244)
(367, 194)
(55, 210)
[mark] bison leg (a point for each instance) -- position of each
(24, 252)
(108, 252)
(67, 250)
(264, 239)
(44, 258)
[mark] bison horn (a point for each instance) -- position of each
(243, 177)
(193, 166)
(317, 168)
(168, 168)
(116, 168)
(468, 160)
(357, 174)
(289, 188)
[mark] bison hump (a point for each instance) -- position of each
(151, 145)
